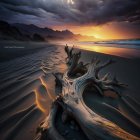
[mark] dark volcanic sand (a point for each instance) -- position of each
(26, 93)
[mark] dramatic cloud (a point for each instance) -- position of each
(74, 12)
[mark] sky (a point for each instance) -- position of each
(104, 19)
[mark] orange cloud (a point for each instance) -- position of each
(107, 31)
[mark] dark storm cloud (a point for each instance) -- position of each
(22, 10)
(80, 12)
(104, 11)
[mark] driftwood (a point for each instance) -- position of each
(71, 102)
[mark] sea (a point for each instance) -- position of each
(122, 48)
(122, 43)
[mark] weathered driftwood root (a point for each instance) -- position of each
(47, 130)
(72, 60)
(71, 101)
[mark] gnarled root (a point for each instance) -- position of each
(93, 126)
(47, 130)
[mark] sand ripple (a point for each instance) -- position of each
(27, 91)
(24, 98)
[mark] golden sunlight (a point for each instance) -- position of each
(122, 52)
(38, 104)
(103, 32)
(45, 85)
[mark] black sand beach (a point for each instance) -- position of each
(26, 91)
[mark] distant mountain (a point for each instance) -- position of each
(8, 32)
(25, 32)
(47, 33)
(37, 37)
(84, 38)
